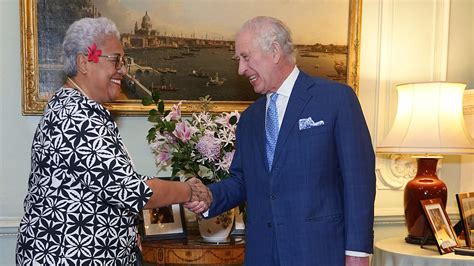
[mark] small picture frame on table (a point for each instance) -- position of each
(163, 223)
(239, 225)
(440, 225)
(466, 212)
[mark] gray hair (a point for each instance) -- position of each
(80, 35)
(268, 30)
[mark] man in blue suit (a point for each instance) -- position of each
(304, 161)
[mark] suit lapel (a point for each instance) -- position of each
(298, 100)
(259, 123)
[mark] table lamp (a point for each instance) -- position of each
(429, 123)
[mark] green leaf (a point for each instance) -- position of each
(147, 101)
(174, 171)
(233, 120)
(170, 126)
(156, 96)
(161, 107)
(153, 118)
(151, 134)
(153, 112)
(179, 156)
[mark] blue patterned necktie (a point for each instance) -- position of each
(271, 129)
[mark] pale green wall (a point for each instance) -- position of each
(16, 132)
(461, 40)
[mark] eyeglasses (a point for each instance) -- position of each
(120, 60)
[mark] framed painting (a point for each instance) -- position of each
(163, 223)
(440, 225)
(466, 211)
(185, 48)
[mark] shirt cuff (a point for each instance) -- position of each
(205, 214)
(356, 253)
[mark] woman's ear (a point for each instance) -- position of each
(81, 63)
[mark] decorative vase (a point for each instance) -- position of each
(216, 229)
(425, 185)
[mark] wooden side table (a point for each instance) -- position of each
(192, 251)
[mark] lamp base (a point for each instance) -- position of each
(425, 185)
(420, 240)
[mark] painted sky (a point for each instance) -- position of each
(311, 21)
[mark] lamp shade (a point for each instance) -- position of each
(429, 120)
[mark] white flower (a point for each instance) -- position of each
(226, 161)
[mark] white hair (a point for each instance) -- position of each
(80, 35)
(268, 30)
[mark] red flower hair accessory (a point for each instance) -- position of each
(93, 53)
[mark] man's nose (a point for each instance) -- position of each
(242, 67)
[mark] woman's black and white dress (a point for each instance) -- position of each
(83, 193)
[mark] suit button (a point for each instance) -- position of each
(269, 225)
(272, 197)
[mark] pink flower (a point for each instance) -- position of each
(93, 53)
(183, 131)
(175, 113)
(163, 157)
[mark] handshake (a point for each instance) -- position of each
(201, 197)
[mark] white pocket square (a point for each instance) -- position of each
(305, 123)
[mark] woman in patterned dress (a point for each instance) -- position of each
(83, 192)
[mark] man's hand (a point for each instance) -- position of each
(357, 261)
(201, 197)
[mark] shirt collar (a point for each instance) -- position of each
(287, 86)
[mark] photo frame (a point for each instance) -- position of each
(440, 225)
(163, 223)
(466, 211)
(44, 22)
(238, 228)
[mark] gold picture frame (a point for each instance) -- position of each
(465, 202)
(440, 224)
(34, 100)
(166, 222)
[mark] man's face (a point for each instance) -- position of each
(255, 64)
(104, 76)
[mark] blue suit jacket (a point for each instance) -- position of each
(318, 199)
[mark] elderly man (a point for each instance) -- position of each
(304, 161)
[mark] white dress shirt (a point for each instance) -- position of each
(284, 93)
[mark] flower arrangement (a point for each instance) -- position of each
(202, 146)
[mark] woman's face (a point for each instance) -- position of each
(103, 77)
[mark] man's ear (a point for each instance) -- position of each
(276, 52)
(81, 63)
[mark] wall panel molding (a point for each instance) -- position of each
(9, 226)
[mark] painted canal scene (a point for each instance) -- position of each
(185, 49)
